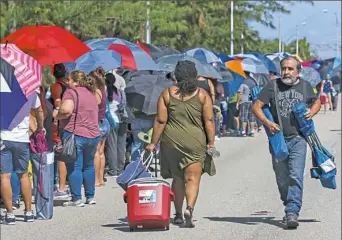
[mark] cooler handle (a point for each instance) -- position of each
(172, 195)
(125, 197)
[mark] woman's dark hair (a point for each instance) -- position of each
(59, 71)
(110, 80)
(98, 78)
(186, 76)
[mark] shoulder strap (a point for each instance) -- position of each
(76, 112)
(275, 85)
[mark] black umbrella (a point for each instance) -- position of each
(168, 51)
(336, 75)
(143, 91)
(326, 66)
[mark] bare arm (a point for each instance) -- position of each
(322, 85)
(40, 118)
(212, 90)
(257, 110)
(208, 118)
(161, 118)
(98, 96)
(65, 111)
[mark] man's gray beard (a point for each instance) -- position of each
(289, 81)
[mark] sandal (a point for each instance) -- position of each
(189, 223)
(178, 219)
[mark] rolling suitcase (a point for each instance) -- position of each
(148, 204)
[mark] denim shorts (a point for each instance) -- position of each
(104, 128)
(14, 157)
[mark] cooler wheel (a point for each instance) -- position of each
(167, 228)
(131, 229)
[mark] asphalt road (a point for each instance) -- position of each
(241, 202)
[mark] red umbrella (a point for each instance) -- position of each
(48, 44)
(144, 47)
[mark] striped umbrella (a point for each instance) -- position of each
(28, 71)
(133, 57)
(203, 55)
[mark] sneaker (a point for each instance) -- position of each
(178, 219)
(16, 204)
(60, 194)
(9, 219)
(243, 134)
(28, 216)
(77, 203)
(251, 134)
(292, 221)
(91, 201)
(217, 138)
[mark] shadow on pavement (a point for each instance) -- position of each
(123, 227)
(335, 130)
(256, 220)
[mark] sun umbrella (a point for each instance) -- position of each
(133, 57)
(27, 70)
(168, 51)
(154, 51)
(226, 74)
(223, 57)
(203, 55)
(143, 91)
(48, 44)
(236, 66)
(328, 66)
(311, 75)
(253, 66)
(12, 97)
(107, 59)
(266, 61)
(336, 75)
(168, 64)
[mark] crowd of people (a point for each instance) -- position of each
(94, 109)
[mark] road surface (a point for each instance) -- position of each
(241, 202)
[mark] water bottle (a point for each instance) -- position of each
(214, 152)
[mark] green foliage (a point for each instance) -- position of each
(180, 24)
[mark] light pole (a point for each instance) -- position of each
(337, 36)
(148, 26)
(279, 34)
(231, 27)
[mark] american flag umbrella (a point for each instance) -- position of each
(10, 95)
(27, 70)
(133, 57)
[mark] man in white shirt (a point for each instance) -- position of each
(15, 156)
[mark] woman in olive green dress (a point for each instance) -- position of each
(185, 124)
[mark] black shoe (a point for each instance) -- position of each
(105, 179)
(112, 174)
(292, 221)
(16, 205)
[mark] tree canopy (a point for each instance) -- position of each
(180, 24)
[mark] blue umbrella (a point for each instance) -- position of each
(133, 57)
(203, 55)
(168, 64)
(223, 57)
(10, 93)
(310, 75)
(324, 167)
(107, 59)
(254, 66)
(266, 61)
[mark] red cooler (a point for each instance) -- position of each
(148, 204)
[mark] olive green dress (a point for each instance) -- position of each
(183, 141)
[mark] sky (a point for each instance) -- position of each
(320, 28)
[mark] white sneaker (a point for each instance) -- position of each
(91, 201)
(217, 138)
